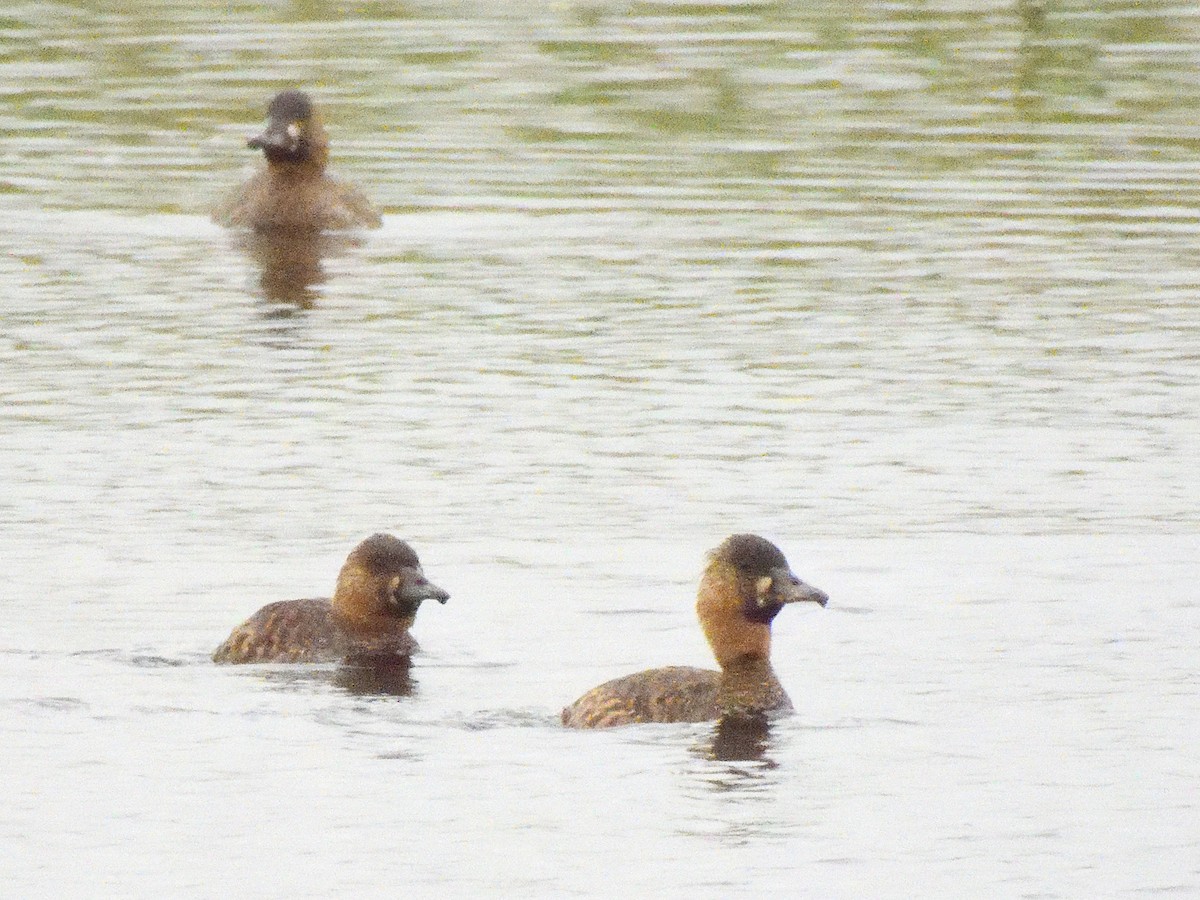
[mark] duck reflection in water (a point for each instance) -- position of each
(374, 676)
(291, 265)
(368, 677)
(740, 737)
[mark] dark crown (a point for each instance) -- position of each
(290, 106)
(383, 553)
(751, 554)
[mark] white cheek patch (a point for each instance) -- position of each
(293, 131)
(762, 589)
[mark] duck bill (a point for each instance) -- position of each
(790, 589)
(418, 588)
(277, 138)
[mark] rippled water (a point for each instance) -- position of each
(910, 288)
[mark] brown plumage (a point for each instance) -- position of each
(746, 583)
(292, 192)
(379, 590)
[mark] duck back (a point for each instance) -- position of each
(287, 631)
(667, 694)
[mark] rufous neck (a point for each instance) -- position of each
(721, 608)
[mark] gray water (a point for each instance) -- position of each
(909, 288)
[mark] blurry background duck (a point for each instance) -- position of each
(293, 192)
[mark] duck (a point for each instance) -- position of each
(293, 192)
(745, 584)
(379, 589)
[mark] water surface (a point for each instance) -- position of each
(909, 288)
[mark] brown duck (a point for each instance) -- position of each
(379, 590)
(293, 192)
(746, 583)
